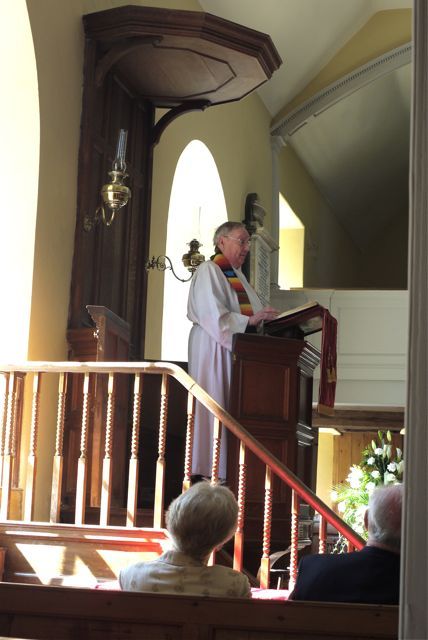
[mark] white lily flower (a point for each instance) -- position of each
(379, 451)
(389, 478)
(370, 460)
(392, 466)
(375, 474)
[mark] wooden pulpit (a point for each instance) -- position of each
(271, 396)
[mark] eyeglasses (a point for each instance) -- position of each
(243, 243)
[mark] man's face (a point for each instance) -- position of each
(235, 246)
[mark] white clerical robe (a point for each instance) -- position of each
(214, 310)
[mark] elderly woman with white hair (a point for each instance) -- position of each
(199, 521)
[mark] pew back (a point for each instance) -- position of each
(39, 612)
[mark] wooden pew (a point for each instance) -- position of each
(66, 555)
(64, 613)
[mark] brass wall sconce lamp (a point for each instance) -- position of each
(191, 260)
(114, 194)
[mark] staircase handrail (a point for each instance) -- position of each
(271, 461)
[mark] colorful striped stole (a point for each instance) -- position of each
(244, 302)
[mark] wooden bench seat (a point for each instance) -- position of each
(67, 613)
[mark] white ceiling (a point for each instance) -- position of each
(354, 153)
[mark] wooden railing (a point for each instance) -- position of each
(9, 447)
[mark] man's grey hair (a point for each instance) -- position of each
(384, 515)
(202, 518)
(224, 230)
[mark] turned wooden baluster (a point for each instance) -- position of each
(8, 450)
(322, 547)
(59, 450)
(131, 511)
(238, 549)
(216, 451)
(4, 385)
(82, 467)
(294, 549)
(267, 526)
(30, 484)
(160, 464)
(189, 441)
(108, 455)
(215, 467)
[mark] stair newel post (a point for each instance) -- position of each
(58, 460)
(8, 449)
(131, 511)
(82, 467)
(30, 483)
(160, 464)
(294, 547)
(322, 535)
(239, 535)
(108, 455)
(267, 526)
(3, 418)
(189, 440)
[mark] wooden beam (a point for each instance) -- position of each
(362, 419)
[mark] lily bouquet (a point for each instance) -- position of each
(382, 463)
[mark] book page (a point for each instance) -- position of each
(291, 312)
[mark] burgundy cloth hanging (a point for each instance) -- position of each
(328, 372)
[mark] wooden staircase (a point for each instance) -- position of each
(80, 554)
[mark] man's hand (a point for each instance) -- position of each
(268, 313)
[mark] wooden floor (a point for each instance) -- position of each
(64, 613)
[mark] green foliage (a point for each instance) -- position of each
(381, 463)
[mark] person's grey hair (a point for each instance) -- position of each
(202, 518)
(384, 515)
(224, 230)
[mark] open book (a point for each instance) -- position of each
(307, 318)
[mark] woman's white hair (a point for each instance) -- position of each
(224, 230)
(202, 518)
(384, 515)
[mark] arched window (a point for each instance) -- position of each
(292, 247)
(197, 207)
(19, 167)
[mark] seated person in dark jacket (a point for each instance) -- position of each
(371, 575)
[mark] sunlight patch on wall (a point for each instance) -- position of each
(19, 161)
(197, 207)
(292, 247)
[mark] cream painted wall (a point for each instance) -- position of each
(237, 135)
(383, 32)
(334, 261)
(325, 467)
(330, 256)
(386, 259)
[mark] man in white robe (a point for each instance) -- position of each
(214, 309)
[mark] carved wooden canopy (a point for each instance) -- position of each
(174, 57)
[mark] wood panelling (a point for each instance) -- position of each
(108, 264)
